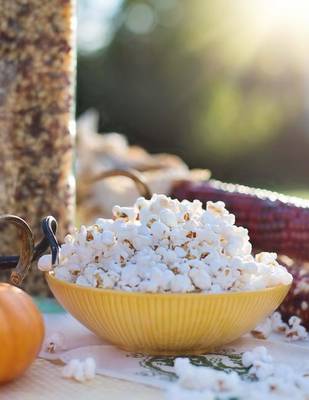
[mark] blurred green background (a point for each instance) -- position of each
(222, 83)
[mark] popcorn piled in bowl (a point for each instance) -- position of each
(163, 245)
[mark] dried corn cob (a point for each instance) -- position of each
(275, 222)
(297, 300)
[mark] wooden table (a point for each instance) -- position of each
(43, 381)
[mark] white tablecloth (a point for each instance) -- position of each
(158, 371)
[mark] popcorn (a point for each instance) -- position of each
(70, 369)
(261, 370)
(181, 283)
(197, 378)
(89, 368)
(292, 331)
(78, 373)
(263, 330)
(82, 281)
(80, 370)
(269, 380)
(63, 273)
(107, 238)
(54, 343)
(67, 250)
(180, 252)
(163, 245)
(267, 258)
(277, 324)
(159, 230)
(296, 331)
(200, 278)
(129, 275)
(168, 217)
(45, 263)
(167, 278)
(125, 213)
(257, 354)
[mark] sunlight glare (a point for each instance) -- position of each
(293, 15)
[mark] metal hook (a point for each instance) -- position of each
(29, 253)
(136, 177)
(23, 262)
(49, 227)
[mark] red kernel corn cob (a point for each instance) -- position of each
(275, 222)
(297, 300)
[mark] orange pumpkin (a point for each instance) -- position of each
(21, 332)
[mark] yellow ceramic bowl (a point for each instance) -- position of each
(166, 324)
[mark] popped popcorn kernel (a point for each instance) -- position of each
(45, 263)
(54, 343)
(296, 331)
(263, 330)
(80, 371)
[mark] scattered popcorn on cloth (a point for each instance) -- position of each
(296, 331)
(163, 245)
(293, 330)
(244, 367)
(81, 371)
(265, 380)
(54, 343)
(263, 330)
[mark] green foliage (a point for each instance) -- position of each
(205, 80)
(235, 122)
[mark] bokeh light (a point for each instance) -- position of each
(219, 82)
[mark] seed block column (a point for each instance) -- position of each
(37, 62)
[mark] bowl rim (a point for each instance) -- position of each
(49, 275)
